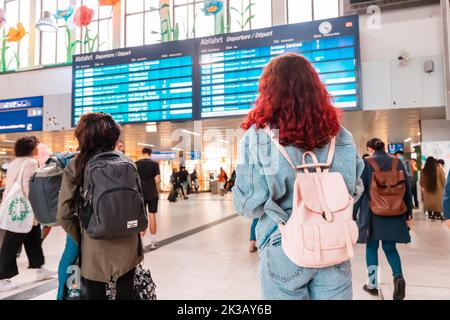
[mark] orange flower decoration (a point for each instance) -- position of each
(108, 2)
(16, 34)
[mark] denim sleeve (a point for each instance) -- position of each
(250, 192)
(447, 198)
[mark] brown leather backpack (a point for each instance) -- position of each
(387, 190)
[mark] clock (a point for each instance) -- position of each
(325, 28)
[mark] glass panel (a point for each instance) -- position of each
(63, 4)
(177, 2)
(236, 19)
(152, 27)
(61, 55)
(324, 9)
(133, 6)
(105, 12)
(299, 11)
(48, 48)
(151, 4)
(181, 18)
(49, 5)
(12, 13)
(262, 10)
(204, 25)
(134, 30)
(105, 34)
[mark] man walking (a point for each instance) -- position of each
(150, 180)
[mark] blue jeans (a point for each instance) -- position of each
(390, 250)
(281, 279)
(253, 230)
(69, 257)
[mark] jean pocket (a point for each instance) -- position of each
(344, 268)
(279, 266)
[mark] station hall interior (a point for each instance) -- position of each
(398, 91)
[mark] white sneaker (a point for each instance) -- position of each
(43, 274)
(7, 285)
(154, 245)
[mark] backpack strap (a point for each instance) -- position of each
(315, 164)
(395, 164)
(374, 164)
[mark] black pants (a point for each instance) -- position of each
(11, 244)
(414, 193)
(94, 290)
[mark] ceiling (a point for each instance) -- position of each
(389, 125)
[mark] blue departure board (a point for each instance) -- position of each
(231, 65)
(21, 115)
(149, 83)
(216, 76)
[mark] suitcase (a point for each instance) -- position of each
(172, 196)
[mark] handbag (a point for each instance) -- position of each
(144, 287)
(16, 213)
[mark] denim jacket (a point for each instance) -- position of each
(265, 180)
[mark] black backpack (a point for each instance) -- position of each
(112, 203)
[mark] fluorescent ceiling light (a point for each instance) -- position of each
(176, 149)
(3, 152)
(408, 140)
(145, 144)
(223, 141)
(8, 141)
(190, 132)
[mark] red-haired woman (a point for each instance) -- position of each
(294, 103)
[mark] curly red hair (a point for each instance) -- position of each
(293, 99)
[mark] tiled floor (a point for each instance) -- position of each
(215, 263)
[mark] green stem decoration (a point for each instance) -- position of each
(3, 66)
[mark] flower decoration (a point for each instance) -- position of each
(2, 17)
(16, 34)
(64, 14)
(212, 7)
(83, 16)
(107, 2)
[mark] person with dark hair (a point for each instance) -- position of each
(183, 181)
(295, 104)
(414, 182)
(22, 169)
(150, 180)
(409, 172)
(432, 182)
(194, 179)
(102, 261)
(389, 229)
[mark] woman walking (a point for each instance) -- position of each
(22, 169)
(387, 229)
(432, 182)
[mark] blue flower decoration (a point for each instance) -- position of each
(64, 14)
(212, 7)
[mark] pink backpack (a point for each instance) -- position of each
(321, 231)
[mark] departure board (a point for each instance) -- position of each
(149, 83)
(231, 65)
(21, 115)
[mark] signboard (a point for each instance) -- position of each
(21, 115)
(213, 76)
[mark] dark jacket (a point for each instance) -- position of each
(372, 227)
(447, 199)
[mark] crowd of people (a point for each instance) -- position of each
(308, 209)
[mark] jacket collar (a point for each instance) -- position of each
(380, 154)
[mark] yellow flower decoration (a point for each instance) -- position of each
(16, 34)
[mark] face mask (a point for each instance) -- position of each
(402, 158)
